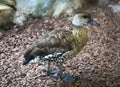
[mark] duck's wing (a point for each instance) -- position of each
(54, 41)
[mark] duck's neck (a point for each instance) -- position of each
(80, 37)
(76, 29)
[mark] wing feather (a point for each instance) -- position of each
(55, 40)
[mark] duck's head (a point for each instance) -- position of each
(83, 17)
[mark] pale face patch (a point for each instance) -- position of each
(79, 21)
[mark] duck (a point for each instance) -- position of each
(61, 44)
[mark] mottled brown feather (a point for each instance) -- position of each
(57, 40)
(54, 40)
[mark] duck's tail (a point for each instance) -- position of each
(33, 54)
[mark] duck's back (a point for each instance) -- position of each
(57, 45)
(51, 43)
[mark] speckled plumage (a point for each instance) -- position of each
(66, 42)
(60, 45)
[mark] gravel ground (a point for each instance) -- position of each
(97, 65)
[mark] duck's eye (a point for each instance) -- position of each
(85, 16)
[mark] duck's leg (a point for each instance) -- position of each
(48, 68)
(66, 77)
(55, 73)
(61, 69)
(52, 73)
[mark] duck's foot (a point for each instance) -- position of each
(54, 73)
(69, 78)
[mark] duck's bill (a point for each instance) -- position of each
(93, 22)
